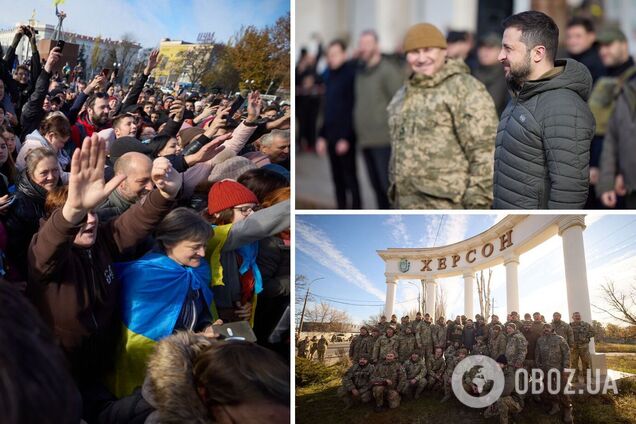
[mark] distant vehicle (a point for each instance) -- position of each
(341, 337)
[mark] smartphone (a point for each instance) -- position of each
(236, 105)
(60, 44)
(105, 72)
(216, 101)
(238, 330)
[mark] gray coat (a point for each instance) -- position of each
(542, 148)
(619, 148)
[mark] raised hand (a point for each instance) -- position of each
(219, 121)
(86, 186)
(54, 58)
(94, 84)
(208, 151)
(166, 178)
(153, 60)
(254, 106)
(177, 108)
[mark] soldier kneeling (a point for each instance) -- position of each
(386, 379)
(509, 402)
(356, 383)
(415, 371)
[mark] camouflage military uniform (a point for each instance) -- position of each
(532, 331)
(361, 345)
(443, 130)
(357, 377)
(424, 337)
(387, 371)
(552, 352)
(448, 374)
(322, 348)
(382, 326)
(490, 329)
(516, 349)
(509, 402)
(313, 346)
(450, 352)
(582, 332)
(414, 371)
(480, 349)
(439, 335)
(437, 367)
(497, 345)
(414, 325)
(406, 346)
(455, 333)
(564, 330)
(384, 345)
(303, 346)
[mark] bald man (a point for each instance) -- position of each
(136, 167)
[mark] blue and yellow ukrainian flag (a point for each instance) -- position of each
(154, 289)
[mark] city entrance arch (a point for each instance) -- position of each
(503, 243)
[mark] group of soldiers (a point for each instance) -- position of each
(307, 348)
(401, 360)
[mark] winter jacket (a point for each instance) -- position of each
(23, 220)
(338, 104)
(35, 140)
(619, 147)
(374, 88)
(542, 151)
(75, 289)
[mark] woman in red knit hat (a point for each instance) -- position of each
(239, 224)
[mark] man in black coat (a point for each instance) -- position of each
(337, 136)
(580, 40)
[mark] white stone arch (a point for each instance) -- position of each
(501, 244)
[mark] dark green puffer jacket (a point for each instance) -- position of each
(543, 143)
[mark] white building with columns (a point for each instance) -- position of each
(502, 244)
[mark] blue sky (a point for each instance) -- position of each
(150, 20)
(342, 249)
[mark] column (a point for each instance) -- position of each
(431, 286)
(391, 286)
(571, 231)
(512, 283)
(469, 290)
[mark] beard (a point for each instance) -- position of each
(518, 75)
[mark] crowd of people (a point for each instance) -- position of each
(474, 122)
(145, 245)
(395, 361)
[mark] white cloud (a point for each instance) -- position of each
(313, 242)
(399, 232)
(455, 228)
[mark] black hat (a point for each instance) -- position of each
(123, 145)
(501, 359)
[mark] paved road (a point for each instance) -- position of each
(334, 352)
(314, 186)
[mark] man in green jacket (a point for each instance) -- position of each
(443, 125)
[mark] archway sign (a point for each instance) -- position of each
(503, 243)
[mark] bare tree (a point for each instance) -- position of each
(196, 62)
(127, 50)
(620, 306)
(373, 320)
(96, 54)
(483, 290)
(329, 318)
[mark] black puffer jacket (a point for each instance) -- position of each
(23, 220)
(543, 143)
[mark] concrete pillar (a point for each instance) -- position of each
(391, 286)
(512, 283)
(431, 286)
(469, 290)
(571, 231)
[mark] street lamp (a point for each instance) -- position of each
(302, 314)
(419, 293)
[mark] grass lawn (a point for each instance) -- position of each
(317, 402)
(622, 363)
(614, 347)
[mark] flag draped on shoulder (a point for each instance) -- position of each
(154, 289)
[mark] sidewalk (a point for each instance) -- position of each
(314, 186)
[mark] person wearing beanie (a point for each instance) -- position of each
(231, 169)
(232, 250)
(444, 158)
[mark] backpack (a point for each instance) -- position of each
(604, 96)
